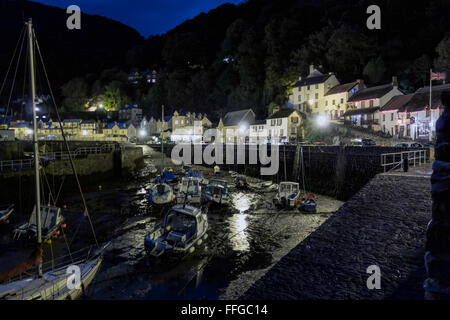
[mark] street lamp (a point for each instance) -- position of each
(142, 133)
(322, 120)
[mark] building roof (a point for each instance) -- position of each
(397, 102)
(371, 93)
(233, 118)
(360, 111)
(121, 125)
(257, 122)
(421, 99)
(282, 113)
(21, 125)
(72, 120)
(314, 78)
(341, 88)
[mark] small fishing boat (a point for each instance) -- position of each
(308, 203)
(161, 194)
(5, 213)
(167, 176)
(241, 182)
(288, 196)
(196, 174)
(183, 229)
(51, 220)
(217, 191)
(189, 191)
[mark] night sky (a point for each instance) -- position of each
(146, 16)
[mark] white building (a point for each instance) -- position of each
(307, 93)
(365, 104)
(258, 132)
(284, 125)
(335, 100)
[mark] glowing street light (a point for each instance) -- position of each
(142, 132)
(85, 133)
(100, 105)
(322, 120)
(29, 131)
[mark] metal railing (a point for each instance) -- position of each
(15, 165)
(395, 160)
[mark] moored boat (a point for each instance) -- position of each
(190, 191)
(241, 182)
(217, 191)
(183, 229)
(5, 213)
(161, 194)
(288, 195)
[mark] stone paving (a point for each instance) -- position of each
(384, 224)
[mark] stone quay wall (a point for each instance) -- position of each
(384, 224)
(336, 171)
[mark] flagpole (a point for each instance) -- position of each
(431, 113)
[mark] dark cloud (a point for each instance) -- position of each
(146, 16)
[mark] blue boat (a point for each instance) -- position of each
(167, 177)
(183, 229)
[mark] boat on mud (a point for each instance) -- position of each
(5, 213)
(51, 221)
(161, 194)
(167, 176)
(53, 282)
(196, 174)
(183, 229)
(241, 182)
(288, 196)
(217, 191)
(308, 203)
(190, 191)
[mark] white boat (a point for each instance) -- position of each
(6, 212)
(190, 191)
(183, 229)
(217, 191)
(288, 195)
(161, 194)
(51, 220)
(58, 282)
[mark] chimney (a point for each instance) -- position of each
(360, 84)
(311, 68)
(394, 81)
(275, 109)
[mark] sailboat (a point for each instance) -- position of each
(162, 193)
(5, 213)
(66, 281)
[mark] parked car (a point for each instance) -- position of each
(362, 142)
(409, 144)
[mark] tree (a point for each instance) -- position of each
(374, 70)
(113, 97)
(75, 95)
(420, 70)
(442, 62)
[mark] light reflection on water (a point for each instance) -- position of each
(238, 223)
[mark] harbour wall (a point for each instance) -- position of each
(17, 186)
(336, 171)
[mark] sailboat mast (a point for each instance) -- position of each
(35, 137)
(162, 140)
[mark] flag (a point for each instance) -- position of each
(438, 76)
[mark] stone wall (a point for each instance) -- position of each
(384, 224)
